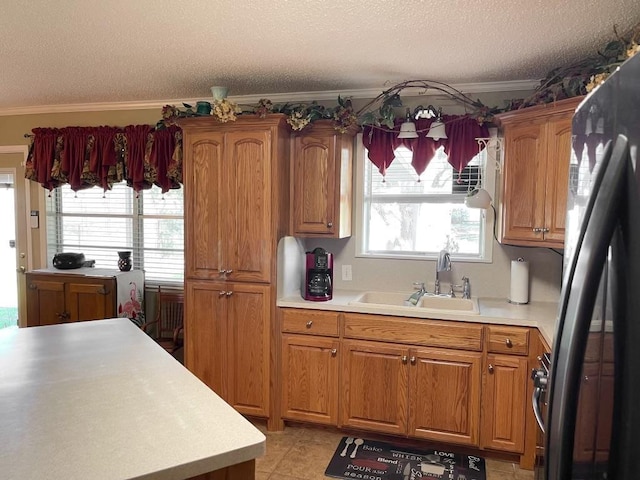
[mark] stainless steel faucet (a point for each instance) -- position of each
(443, 265)
(466, 288)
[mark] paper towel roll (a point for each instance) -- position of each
(519, 281)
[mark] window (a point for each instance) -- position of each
(99, 224)
(405, 218)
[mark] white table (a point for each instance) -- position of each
(100, 400)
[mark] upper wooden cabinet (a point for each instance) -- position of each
(537, 151)
(233, 204)
(321, 187)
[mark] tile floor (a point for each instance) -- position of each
(303, 453)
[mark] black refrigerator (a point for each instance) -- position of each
(591, 397)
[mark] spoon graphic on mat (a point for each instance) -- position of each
(357, 443)
(347, 442)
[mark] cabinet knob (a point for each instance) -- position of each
(222, 293)
(404, 359)
(508, 343)
(229, 293)
(221, 271)
(490, 368)
(537, 230)
(413, 360)
(309, 323)
(103, 291)
(334, 352)
(330, 224)
(227, 272)
(63, 315)
(545, 230)
(33, 286)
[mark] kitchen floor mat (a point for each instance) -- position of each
(358, 458)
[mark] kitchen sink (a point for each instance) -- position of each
(441, 304)
(461, 305)
(396, 299)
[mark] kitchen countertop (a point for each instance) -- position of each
(492, 310)
(101, 400)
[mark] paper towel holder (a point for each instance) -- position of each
(513, 302)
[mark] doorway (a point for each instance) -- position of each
(8, 258)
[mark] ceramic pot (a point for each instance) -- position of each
(219, 93)
(125, 262)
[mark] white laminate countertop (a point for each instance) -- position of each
(101, 400)
(492, 310)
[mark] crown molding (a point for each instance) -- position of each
(487, 87)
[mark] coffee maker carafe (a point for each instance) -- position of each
(318, 285)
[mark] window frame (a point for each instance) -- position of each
(488, 182)
(137, 217)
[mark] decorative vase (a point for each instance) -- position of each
(203, 108)
(219, 93)
(125, 262)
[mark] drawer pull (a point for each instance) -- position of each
(334, 351)
(228, 294)
(413, 360)
(490, 368)
(309, 323)
(330, 224)
(404, 359)
(508, 343)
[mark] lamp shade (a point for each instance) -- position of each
(437, 131)
(478, 198)
(219, 93)
(408, 130)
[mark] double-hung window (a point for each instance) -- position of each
(99, 224)
(401, 217)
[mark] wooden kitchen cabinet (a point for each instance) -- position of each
(228, 341)
(61, 298)
(444, 395)
(321, 182)
(504, 402)
(310, 379)
(236, 181)
(374, 386)
(537, 151)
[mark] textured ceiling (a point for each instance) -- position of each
(92, 51)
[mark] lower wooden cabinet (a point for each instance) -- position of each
(504, 402)
(421, 392)
(54, 298)
(444, 395)
(310, 369)
(227, 341)
(374, 388)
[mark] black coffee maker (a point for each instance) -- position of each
(318, 285)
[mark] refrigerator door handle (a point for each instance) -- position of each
(537, 412)
(577, 309)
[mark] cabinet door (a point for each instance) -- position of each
(90, 299)
(246, 200)
(314, 185)
(205, 331)
(557, 181)
(503, 403)
(374, 387)
(444, 395)
(247, 348)
(203, 204)
(524, 182)
(45, 302)
(310, 379)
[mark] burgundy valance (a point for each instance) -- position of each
(460, 146)
(85, 157)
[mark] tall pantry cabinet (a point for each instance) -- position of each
(236, 181)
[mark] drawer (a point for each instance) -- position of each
(503, 339)
(312, 322)
(431, 333)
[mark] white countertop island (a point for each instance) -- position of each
(100, 400)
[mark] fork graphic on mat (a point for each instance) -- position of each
(348, 441)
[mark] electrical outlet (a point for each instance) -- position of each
(346, 273)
